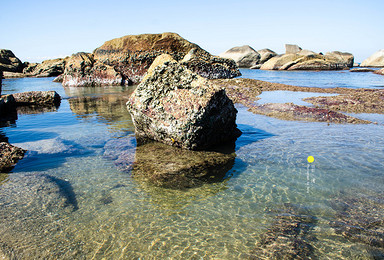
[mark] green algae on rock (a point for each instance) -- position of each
(175, 106)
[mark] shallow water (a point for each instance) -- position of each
(113, 215)
(295, 97)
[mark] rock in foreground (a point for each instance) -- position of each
(375, 60)
(9, 156)
(125, 60)
(175, 106)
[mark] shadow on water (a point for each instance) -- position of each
(66, 190)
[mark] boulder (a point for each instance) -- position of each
(375, 60)
(38, 98)
(9, 62)
(244, 56)
(125, 60)
(48, 68)
(7, 105)
(292, 48)
(175, 106)
(279, 61)
(342, 57)
(266, 54)
(380, 72)
(9, 156)
(29, 67)
(1, 81)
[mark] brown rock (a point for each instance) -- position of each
(48, 68)
(9, 62)
(175, 106)
(37, 98)
(9, 156)
(343, 58)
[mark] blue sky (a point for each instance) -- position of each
(38, 30)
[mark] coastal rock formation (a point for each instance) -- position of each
(48, 68)
(266, 54)
(375, 60)
(9, 62)
(1, 81)
(9, 156)
(244, 56)
(309, 60)
(292, 49)
(125, 60)
(171, 167)
(37, 98)
(380, 72)
(175, 106)
(7, 105)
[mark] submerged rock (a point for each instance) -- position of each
(175, 106)
(39, 98)
(244, 56)
(170, 167)
(9, 62)
(125, 60)
(9, 156)
(375, 60)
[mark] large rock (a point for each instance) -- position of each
(380, 72)
(37, 98)
(1, 81)
(7, 105)
(9, 156)
(309, 60)
(266, 54)
(375, 60)
(125, 60)
(175, 106)
(244, 56)
(292, 48)
(9, 62)
(48, 68)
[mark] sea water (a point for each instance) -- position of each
(117, 216)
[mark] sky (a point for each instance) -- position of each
(36, 30)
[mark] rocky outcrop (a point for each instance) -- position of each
(175, 106)
(9, 156)
(7, 106)
(292, 49)
(244, 56)
(297, 59)
(48, 68)
(9, 62)
(380, 72)
(375, 60)
(37, 98)
(125, 60)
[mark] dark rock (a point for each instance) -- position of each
(7, 108)
(289, 237)
(175, 106)
(1, 81)
(48, 68)
(41, 98)
(9, 62)
(29, 67)
(125, 60)
(244, 56)
(9, 156)
(171, 167)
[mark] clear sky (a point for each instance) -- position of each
(36, 30)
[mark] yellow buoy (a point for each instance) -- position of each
(310, 159)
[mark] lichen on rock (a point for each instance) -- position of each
(175, 106)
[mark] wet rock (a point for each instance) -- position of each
(170, 167)
(122, 152)
(7, 108)
(125, 60)
(266, 54)
(9, 62)
(375, 60)
(289, 237)
(361, 70)
(292, 48)
(38, 98)
(380, 72)
(9, 156)
(244, 56)
(360, 219)
(1, 81)
(175, 106)
(48, 146)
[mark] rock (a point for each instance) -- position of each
(1, 81)
(292, 49)
(29, 67)
(361, 70)
(48, 68)
(244, 56)
(375, 60)
(175, 106)
(265, 55)
(125, 60)
(38, 98)
(279, 61)
(380, 72)
(7, 105)
(9, 62)
(48, 146)
(9, 156)
(342, 57)
(171, 167)
(10, 75)
(122, 152)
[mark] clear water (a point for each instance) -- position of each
(282, 96)
(117, 216)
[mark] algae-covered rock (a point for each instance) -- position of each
(175, 106)
(125, 60)
(37, 98)
(9, 156)
(244, 56)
